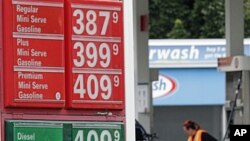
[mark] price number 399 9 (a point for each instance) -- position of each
(94, 55)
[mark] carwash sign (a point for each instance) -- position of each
(197, 86)
(185, 53)
(165, 86)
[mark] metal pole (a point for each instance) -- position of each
(234, 27)
(234, 45)
(246, 97)
(130, 68)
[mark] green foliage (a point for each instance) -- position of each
(178, 30)
(163, 14)
(247, 18)
(207, 19)
(190, 18)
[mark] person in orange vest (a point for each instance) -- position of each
(195, 133)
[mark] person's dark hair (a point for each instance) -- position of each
(188, 124)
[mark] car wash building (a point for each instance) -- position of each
(189, 86)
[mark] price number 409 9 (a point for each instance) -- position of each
(92, 135)
(93, 85)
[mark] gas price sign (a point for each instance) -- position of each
(34, 53)
(96, 67)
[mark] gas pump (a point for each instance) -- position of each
(237, 90)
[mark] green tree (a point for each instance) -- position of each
(164, 13)
(178, 30)
(247, 18)
(207, 19)
(199, 18)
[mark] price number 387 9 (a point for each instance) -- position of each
(88, 22)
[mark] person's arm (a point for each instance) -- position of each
(207, 137)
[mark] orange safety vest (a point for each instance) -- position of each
(197, 136)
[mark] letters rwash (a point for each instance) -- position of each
(239, 132)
